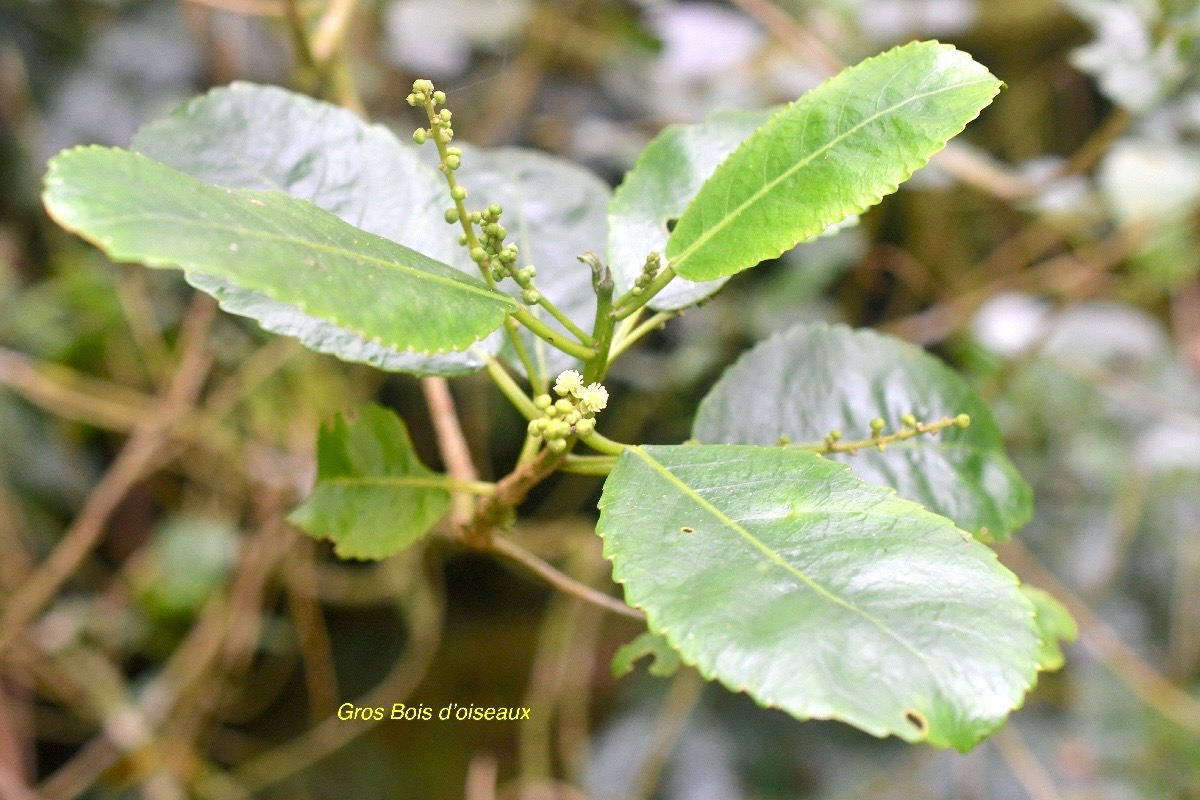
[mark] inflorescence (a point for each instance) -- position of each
(572, 414)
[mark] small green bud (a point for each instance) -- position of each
(453, 162)
(454, 151)
(543, 401)
(572, 417)
(877, 425)
(531, 270)
(445, 134)
(474, 216)
(506, 256)
(557, 429)
(564, 405)
(556, 446)
(452, 215)
(462, 239)
(419, 135)
(498, 274)
(909, 420)
(585, 426)
(531, 296)
(963, 420)
(551, 411)
(523, 275)
(835, 434)
(478, 255)
(495, 210)
(500, 231)
(422, 85)
(444, 115)
(411, 100)
(534, 428)
(458, 193)
(636, 291)
(439, 97)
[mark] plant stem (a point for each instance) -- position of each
(833, 445)
(602, 284)
(566, 321)
(452, 444)
(659, 320)
(562, 581)
(553, 337)
(603, 444)
(509, 388)
(629, 302)
(588, 465)
(537, 379)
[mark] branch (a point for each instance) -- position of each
(452, 445)
(562, 581)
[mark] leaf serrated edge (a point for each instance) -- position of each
(1031, 678)
(59, 216)
(847, 209)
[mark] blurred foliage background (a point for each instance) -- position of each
(164, 635)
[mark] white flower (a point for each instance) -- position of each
(593, 398)
(569, 383)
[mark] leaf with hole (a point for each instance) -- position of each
(373, 496)
(287, 249)
(813, 379)
(834, 152)
(780, 574)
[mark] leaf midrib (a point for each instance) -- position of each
(727, 220)
(401, 481)
(352, 255)
(762, 547)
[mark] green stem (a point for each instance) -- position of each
(602, 444)
(481, 488)
(509, 387)
(588, 465)
(630, 339)
(553, 337)
(630, 302)
(834, 445)
(537, 378)
(603, 327)
(566, 321)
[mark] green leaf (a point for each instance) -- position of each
(664, 660)
(812, 379)
(373, 496)
(834, 152)
(656, 191)
(554, 211)
(780, 574)
(287, 249)
(1054, 624)
(262, 137)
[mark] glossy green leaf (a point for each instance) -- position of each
(262, 137)
(660, 186)
(373, 496)
(813, 379)
(834, 152)
(663, 660)
(1055, 625)
(780, 574)
(287, 249)
(554, 211)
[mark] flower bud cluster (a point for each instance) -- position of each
(423, 94)
(571, 414)
(649, 271)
